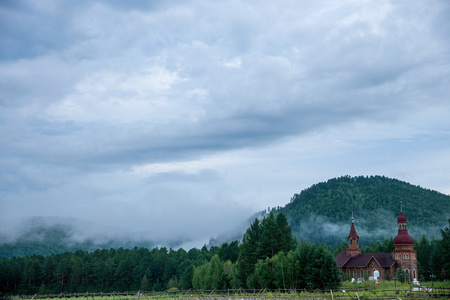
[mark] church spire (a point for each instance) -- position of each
(353, 240)
(403, 238)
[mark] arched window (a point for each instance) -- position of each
(407, 274)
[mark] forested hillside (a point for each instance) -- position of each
(322, 212)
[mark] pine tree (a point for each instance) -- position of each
(144, 283)
(250, 250)
(186, 276)
(329, 272)
(287, 242)
(270, 238)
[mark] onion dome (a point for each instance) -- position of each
(403, 238)
(401, 218)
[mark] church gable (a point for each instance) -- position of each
(385, 260)
(373, 263)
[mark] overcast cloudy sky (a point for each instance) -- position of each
(183, 118)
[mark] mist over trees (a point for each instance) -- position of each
(268, 257)
(320, 213)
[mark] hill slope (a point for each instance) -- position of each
(322, 212)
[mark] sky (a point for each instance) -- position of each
(182, 119)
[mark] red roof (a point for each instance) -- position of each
(403, 238)
(361, 260)
(342, 258)
(401, 218)
(352, 233)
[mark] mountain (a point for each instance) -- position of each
(322, 212)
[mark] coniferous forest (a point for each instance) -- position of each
(269, 255)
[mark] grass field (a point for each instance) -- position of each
(364, 290)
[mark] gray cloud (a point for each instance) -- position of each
(206, 95)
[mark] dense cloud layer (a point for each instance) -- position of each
(184, 117)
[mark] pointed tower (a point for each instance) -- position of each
(404, 253)
(353, 240)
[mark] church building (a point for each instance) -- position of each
(381, 266)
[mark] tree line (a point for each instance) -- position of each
(268, 256)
